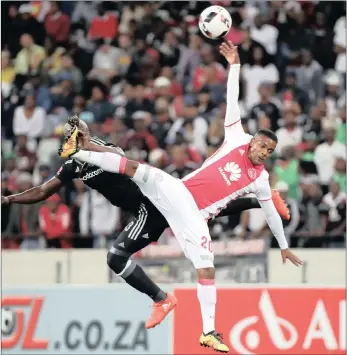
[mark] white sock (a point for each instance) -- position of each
(207, 295)
(110, 162)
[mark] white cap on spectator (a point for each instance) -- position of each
(282, 186)
(155, 155)
(162, 82)
(332, 78)
(139, 115)
(25, 9)
(328, 124)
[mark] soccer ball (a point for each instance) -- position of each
(8, 321)
(215, 22)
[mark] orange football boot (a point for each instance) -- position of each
(280, 205)
(161, 310)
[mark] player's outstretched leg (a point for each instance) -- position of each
(128, 243)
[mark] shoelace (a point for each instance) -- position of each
(218, 337)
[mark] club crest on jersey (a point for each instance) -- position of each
(252, 173)
(233, 170)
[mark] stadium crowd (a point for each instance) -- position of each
(142, 77)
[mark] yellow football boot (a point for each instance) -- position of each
(213, 340)
(70, 146)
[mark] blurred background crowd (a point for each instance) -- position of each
(143, 78)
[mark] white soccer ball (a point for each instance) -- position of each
(215, 22)
(8, 321)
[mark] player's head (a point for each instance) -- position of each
(262, 146)
(73, 122)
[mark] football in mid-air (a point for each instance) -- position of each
(215, 22)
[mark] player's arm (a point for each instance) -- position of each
(274, 221)
(232, 123)
(36, 194)
(239, 205)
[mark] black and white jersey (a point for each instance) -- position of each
(120, 190)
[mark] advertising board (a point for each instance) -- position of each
(80, 320)
(267, 321)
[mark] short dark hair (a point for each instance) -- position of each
(268, 133)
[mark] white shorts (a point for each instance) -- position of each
(177, 205)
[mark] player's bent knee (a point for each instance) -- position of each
(117, 263)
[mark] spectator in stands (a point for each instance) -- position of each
(99, 106)
(265, 107)
(326, 154)
(7, 71)
(98, 218)
(29, 50)
(25, 158)
(57, 24)
(340, 46)
(23, 22)
(29, 119)
(162, 122)
(68, 67)
(42, 94)
(106, 63)
(335, 200)
(265, 34)
(291, 225)
(291, 133)
(189, 59)
(247, 46)
(341, 129)
(62, 93)
(55, 223)
(252, 225)
(79, 108)
(140, 138)
(310, 76)
(312, 214)
(339, 175)
(23, 219)
(287, 170)
(104, 25)
(333, 87)
(180, 164)
(259, 70)
(83, 13)
(292, 92)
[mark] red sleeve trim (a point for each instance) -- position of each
(265, 200)
(232, 123)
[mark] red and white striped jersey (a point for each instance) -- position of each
(229, 174)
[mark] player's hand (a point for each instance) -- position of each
(229, 51)
(5, 200)
(287, 254)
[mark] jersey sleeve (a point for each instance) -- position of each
(232, 122)
(273, 219)
(67, 172)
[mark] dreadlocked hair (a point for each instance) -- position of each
(73, 121)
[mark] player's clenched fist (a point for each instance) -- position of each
(229, 51)
(4, 200)
(287, 254)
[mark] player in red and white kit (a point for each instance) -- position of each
(234, 170)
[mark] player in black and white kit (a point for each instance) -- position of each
(146, 226)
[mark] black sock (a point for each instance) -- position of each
(138, 279)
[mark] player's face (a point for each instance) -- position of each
(261, 147)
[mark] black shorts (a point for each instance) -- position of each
(144, 228)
